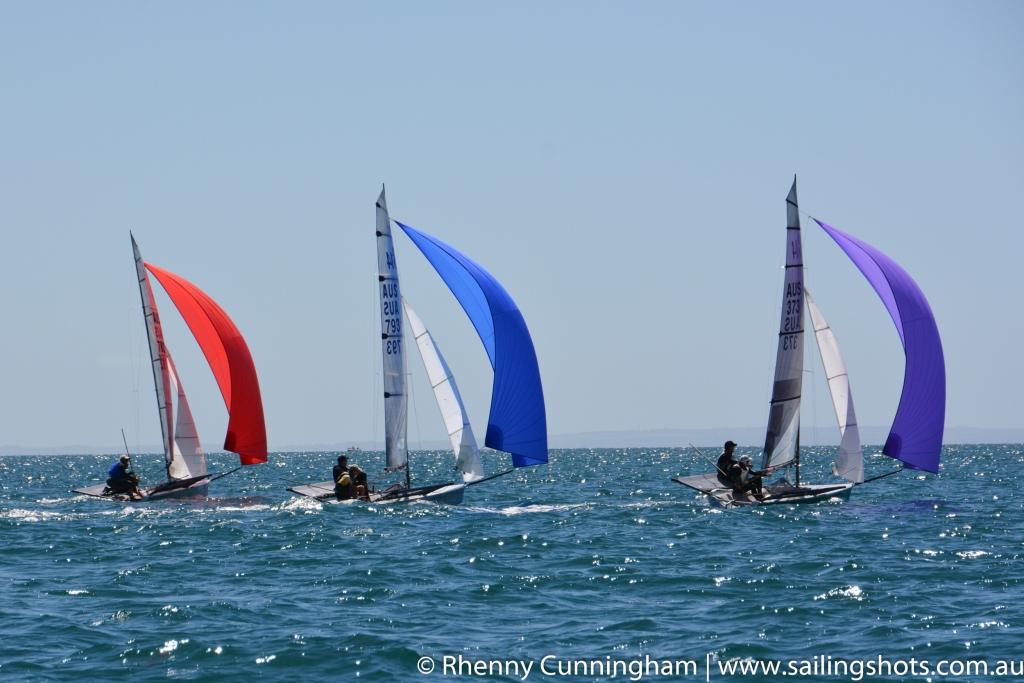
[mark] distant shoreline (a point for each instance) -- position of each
(656, 438)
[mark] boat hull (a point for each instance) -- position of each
(782, 493)
(445, 494)
(184, 488)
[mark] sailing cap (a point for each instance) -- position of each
(745, 458)
(125, 458)
(730, 444)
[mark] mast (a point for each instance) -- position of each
(782, 436)
(396, 405)
(157, 357)
(796, 458)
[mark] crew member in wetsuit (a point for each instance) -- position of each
(120, 479)
(748, 479)
(342, 479)
(726, 465)
(359, 487)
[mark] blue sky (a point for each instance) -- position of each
(620, 167)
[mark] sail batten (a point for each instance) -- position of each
(915, 437)
(392, 347)
(517, 422)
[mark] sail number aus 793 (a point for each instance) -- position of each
(391, 314)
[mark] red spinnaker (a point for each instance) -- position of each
(230, 361)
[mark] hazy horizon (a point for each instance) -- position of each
(668, 437)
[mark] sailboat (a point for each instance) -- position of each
(517, 423)
(229, 359)
(915, 437)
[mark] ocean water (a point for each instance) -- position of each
(597, 556)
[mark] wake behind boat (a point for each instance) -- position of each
(229, 359)
(517, 422)
(915, 438)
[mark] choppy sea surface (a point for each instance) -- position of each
(597, 555)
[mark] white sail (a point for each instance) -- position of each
(850, 463)
(395, 399)
(157, 355)
(782, 438)
(453, 412)
(187, 457)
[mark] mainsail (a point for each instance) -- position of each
(782, 439)
(229, 359)
(449, 401)
(159, 358)
(517, 423)
(850, 463)
(915, 437)
(392, 351)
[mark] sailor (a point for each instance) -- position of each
(726, 465)
(342, 479)
(120, 479)
(360, 489)
(748, 479)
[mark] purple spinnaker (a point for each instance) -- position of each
(915, 437)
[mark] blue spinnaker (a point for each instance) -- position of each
(517, 423)
(916, 434)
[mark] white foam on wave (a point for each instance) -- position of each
(22, 515)
(234, 508)
(171, 645)
(528, 509)
(302, 504)
(852, 592)
(972, 554)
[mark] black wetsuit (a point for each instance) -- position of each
(724, 469)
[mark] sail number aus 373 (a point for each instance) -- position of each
(793, 313)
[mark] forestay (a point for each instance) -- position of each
(517, 423)
(449, 401)
(782, 438)
(850, 462)
(392, 349)
(915, 437)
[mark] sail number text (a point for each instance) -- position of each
(391, 314)
(792, 316)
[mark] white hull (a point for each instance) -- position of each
(785, 495)
(446, 494)
(194, 489)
